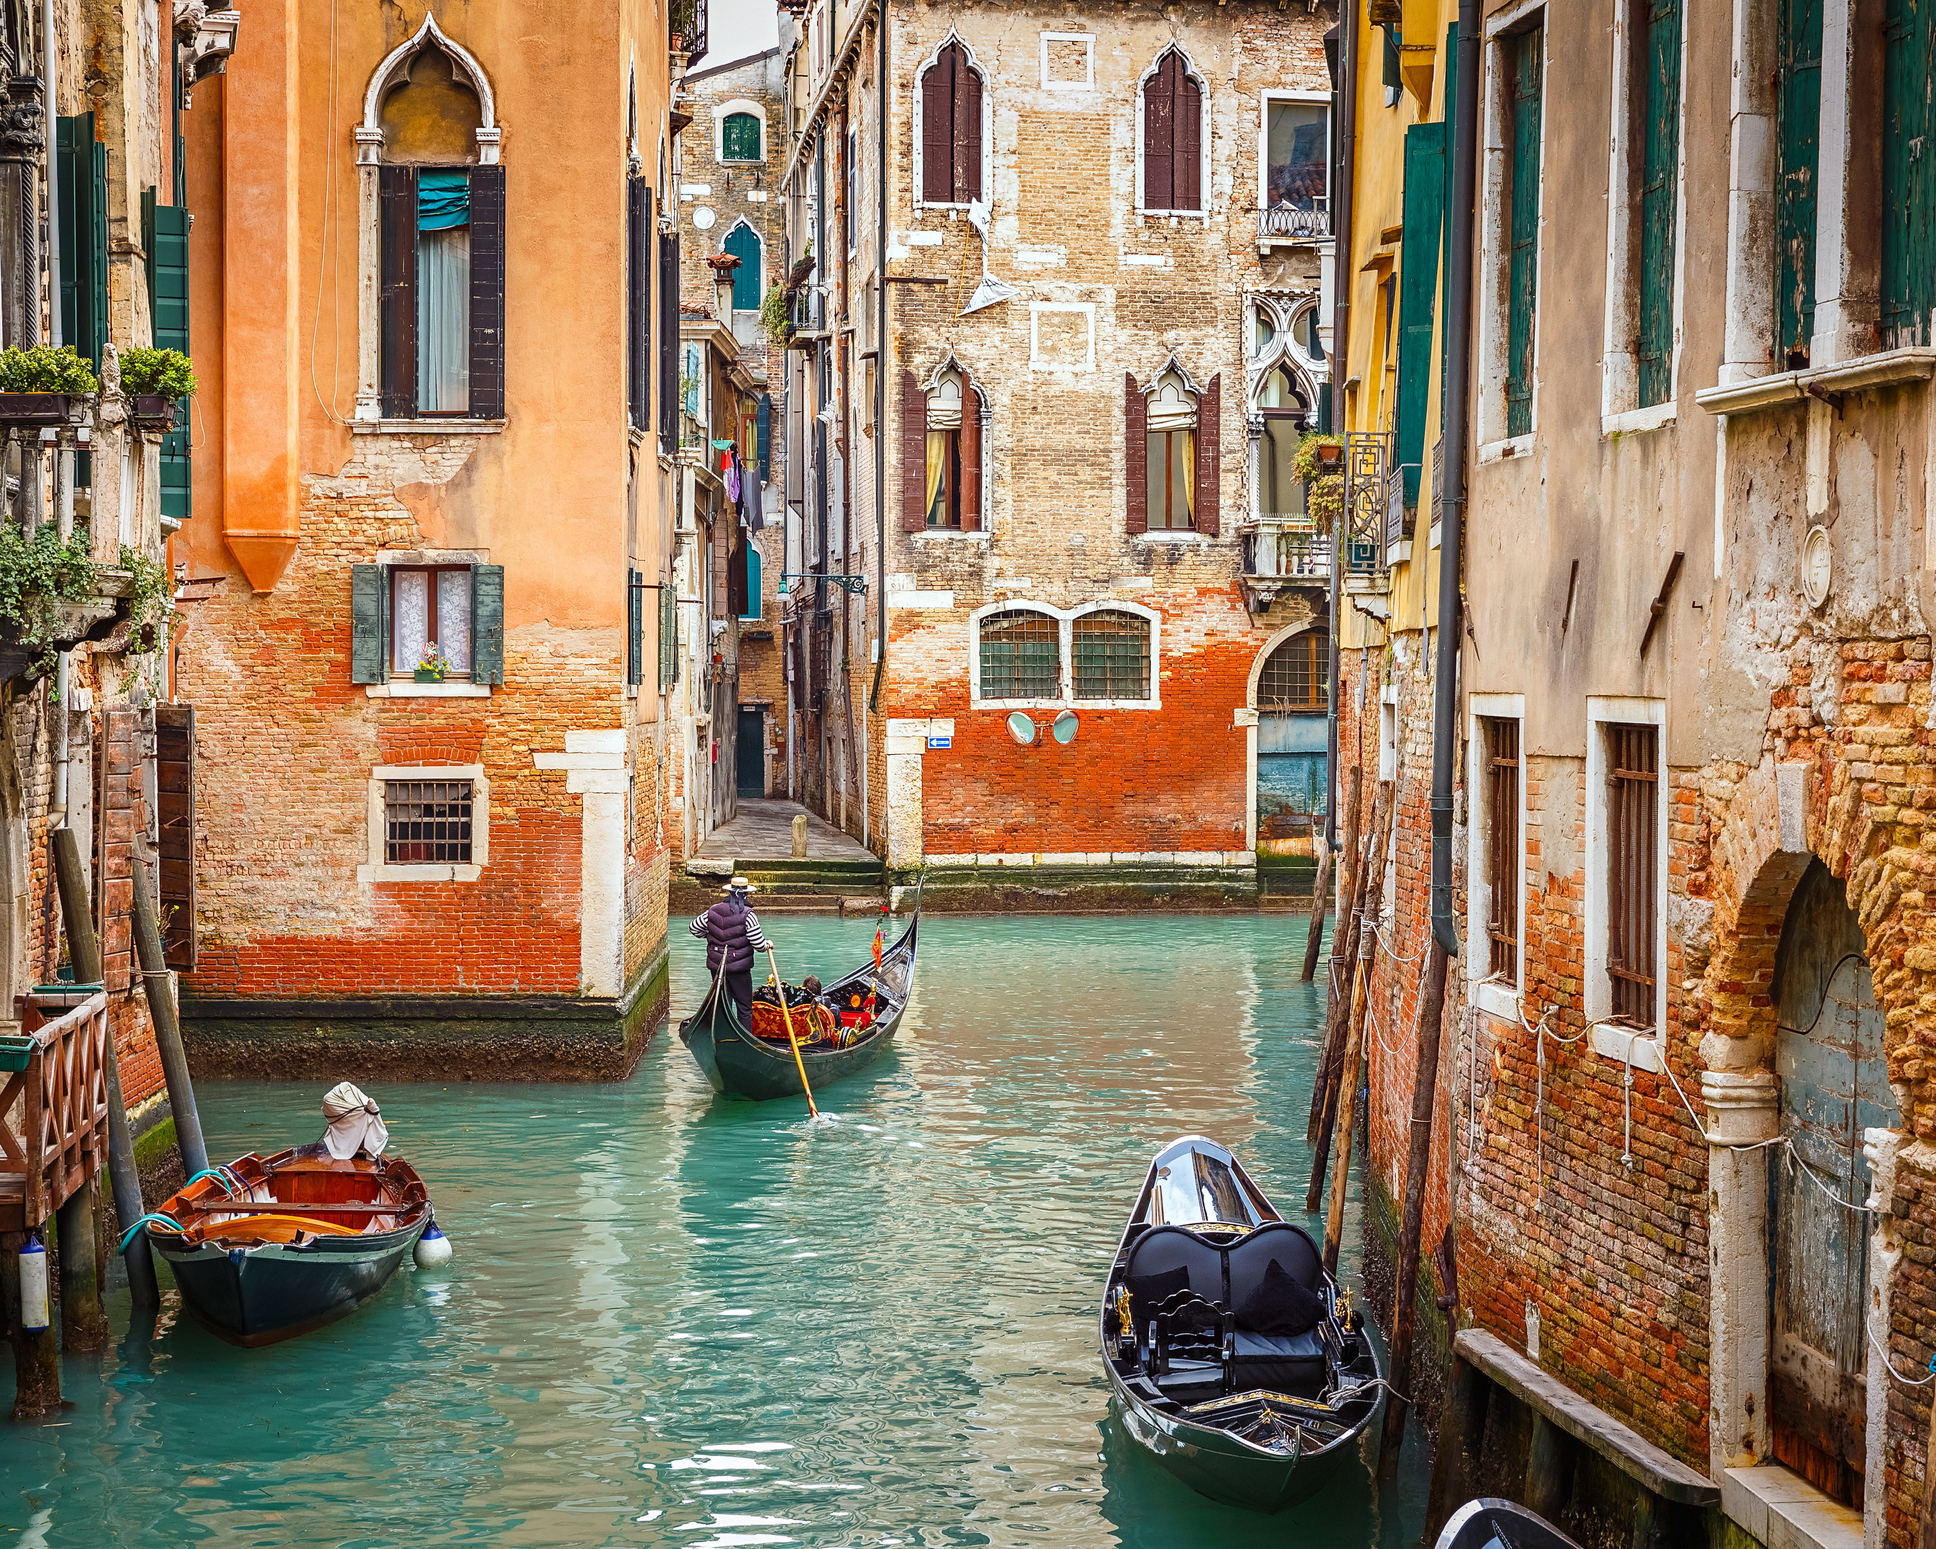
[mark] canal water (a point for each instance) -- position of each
(675, 1319)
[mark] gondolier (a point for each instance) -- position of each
(731, 931)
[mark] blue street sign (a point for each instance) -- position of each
(941, 742)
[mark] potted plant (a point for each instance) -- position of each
(431, 663)
(156, 380)
(1319, 462)
(39, 386)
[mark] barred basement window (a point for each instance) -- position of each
(1632, 811)
(1112, 652)
(427, 822)
(1502, 845)
(1021, 656)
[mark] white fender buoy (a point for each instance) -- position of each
(433, 1248)
(33, 1286)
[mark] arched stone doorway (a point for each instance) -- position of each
(1833, 1087)
(1289, 768)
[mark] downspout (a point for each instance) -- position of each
(1346, 115)
(880, 385)
(1453, 417)
(62, 664)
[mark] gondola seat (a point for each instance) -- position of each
(1154, 1262)
(1278, 1316)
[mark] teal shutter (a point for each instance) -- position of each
(487, 623)
(165, 229)
(1524, 55)
(634, 627)
(763, 452)
(74, 165)
(744, 244)
(1908, 174)
(752, 583)
(1659, 188)
(367, 664)
(1799, 113)
(1394, 79)
(740, 138)
(1418, 283)
(97, 248)
(668, 636)
(1447, 113)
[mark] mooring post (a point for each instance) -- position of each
(161, 1007)
(84, 952)
(83, 1263)
(800, 836)
(36, 1355)
(1314, 937)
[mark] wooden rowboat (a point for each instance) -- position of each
(271, 1247)
(1490, 1523)
(1195, 1327)
(736, 1061)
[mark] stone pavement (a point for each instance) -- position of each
(763, 830)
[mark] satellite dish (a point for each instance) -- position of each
(1067, 724)
(1021, 728)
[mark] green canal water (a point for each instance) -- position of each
(675, 1319)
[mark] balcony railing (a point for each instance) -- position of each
(1286, 549)
(1295, 225)
(1370, 479)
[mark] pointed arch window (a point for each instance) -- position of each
(951, 128)
(743, 242)
(1172, 137)
(1170, 454)
(1285, 409)
(941, 453)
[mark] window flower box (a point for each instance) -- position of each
(34, 410)
(151, 411)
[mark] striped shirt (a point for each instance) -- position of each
(755, 937)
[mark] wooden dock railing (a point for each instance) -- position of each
(54, 1116)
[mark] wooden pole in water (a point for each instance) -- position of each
(1314, 938)
(84, 952)
(1351, 873)
(1354, 1047)
(83, 1266)
(1425, 1081)
(161, 1009)
(1335, 1066)
(36, 1356)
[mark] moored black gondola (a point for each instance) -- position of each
(735, 1060)
(1233, 1357)
(1489, 1523)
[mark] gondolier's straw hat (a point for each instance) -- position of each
(740, 885)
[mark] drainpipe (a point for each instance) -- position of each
(880, 383)
(1345, 115)
(1454, 416)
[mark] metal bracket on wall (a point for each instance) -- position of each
(1659, 604)
(853, 585)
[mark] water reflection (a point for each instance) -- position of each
(675, 1319)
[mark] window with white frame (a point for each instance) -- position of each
(1509, 251)
(742, 132)
(1626, 895)
(427, 823)
(1294, 163)
(950, 132)
(1102, 655)
(1495, 784)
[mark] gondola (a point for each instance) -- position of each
(1196, 1326)
(737, 1062)
(270, 1247)
(1488, 1523)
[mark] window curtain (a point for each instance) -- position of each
(937, 465)
(443, 290)
(1183, 463)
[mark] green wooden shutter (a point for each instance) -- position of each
(752, 583)
(74, 167)
(740, 138)
(1524, 56)
(763, 454)
(367, 664)
(1394, 76)
(744, 244)
(97, 249)
(487, 623)
(1659, 188)
(1799, 112)
(668, 636)
(1908, 174)
(634, 627)
(1449, 114)
(165, 233)
(1418, 280)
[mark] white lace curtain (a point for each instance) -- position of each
(444, 321)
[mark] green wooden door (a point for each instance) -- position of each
(1659, 197)
(744, 244)
(1526, 53)
(1799, 109)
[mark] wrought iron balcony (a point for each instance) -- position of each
(1371, 484)
(1294, 225)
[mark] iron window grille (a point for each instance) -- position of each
(1633, 810)
(1502, 846)
(1112, 656)
(1021, 656)
(427, 823)
(1295, 674)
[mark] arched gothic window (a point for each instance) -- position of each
(1172, 136)
(950, 93)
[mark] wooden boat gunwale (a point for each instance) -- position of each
(1209, 1456)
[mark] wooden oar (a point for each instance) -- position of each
(786, 1015)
